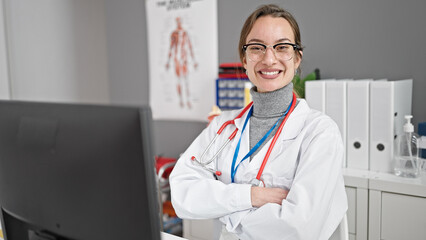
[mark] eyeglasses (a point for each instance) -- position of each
(284, 51)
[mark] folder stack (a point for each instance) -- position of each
(330, 97)
(370, 114)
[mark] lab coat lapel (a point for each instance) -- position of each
(292, 127)
(290, 131)
(295, 122)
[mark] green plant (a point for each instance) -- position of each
(299, 83)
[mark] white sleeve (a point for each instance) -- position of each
(196, 194)
(316, 202)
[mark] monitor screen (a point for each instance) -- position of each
(76, 171)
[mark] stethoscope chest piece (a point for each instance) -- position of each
(204, 165)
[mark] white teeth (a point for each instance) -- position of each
(270, 73)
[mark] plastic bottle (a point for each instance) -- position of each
(406, 158)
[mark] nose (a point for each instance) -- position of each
(269, 57)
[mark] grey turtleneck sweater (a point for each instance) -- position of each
(267, 109)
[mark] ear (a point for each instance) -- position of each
(245, 63)
(298, 60)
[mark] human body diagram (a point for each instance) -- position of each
(180, 48)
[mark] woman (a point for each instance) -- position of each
(300, 193)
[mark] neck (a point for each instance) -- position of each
(271, 104)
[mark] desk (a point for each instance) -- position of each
(164, 236)
(167, 236)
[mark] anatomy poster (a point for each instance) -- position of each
(183, 57)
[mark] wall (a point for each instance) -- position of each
(349, 39)
(96, 50)
(4, 70)
(57, 50)
(128, 71)
(343, 38)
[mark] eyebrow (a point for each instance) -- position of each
(261, 41)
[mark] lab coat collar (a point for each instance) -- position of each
(291, 130)
(296, 121)
(293, 125)
(240, 121)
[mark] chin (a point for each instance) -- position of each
(268, 88)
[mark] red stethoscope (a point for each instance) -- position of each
(257, 181)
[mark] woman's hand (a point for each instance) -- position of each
(261, 196)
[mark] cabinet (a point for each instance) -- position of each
(381, 206)
(385, 207)
(356, 183)
(397, 207)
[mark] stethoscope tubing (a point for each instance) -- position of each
(224, 125)
(234, 133)
(274, 140)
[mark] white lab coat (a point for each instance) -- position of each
(307, 160)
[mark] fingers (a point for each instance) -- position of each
(277, 195)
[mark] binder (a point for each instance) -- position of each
(421, 129)
(358, 107)
(230, 93)
(315, 94)
(335, 106)
(390, 101)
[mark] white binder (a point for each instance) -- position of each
(335, 106)
(358, 107)
(389, 102)
(315, 94)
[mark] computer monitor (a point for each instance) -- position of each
(81, 172)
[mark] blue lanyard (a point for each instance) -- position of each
(258, 144)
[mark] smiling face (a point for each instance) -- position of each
(271, 73)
